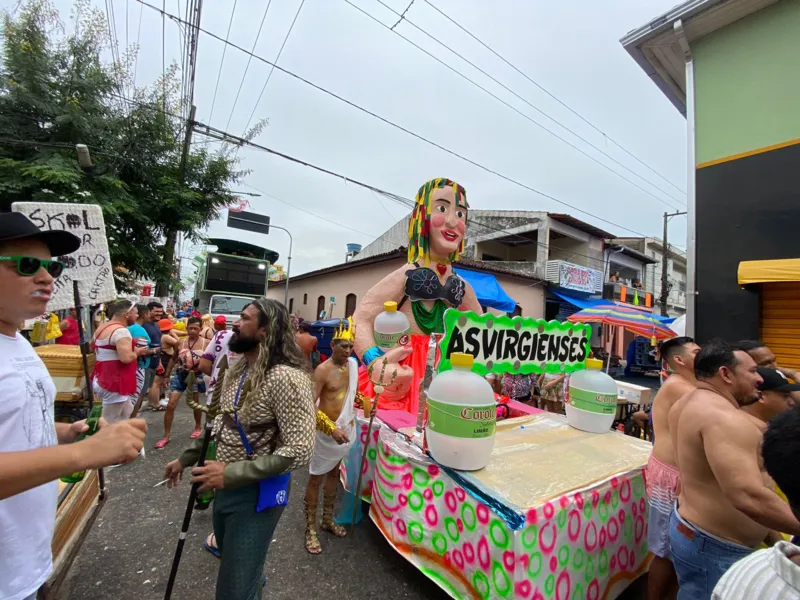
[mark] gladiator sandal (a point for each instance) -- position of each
(312, 541)
(327, 517)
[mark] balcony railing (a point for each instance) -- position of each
(622, 292)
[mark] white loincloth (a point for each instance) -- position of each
(327, 453)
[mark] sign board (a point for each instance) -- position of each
(248, 221)
(90, 265)
(514, 344)
(575, 277)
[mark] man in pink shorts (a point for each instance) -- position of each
(661, 474)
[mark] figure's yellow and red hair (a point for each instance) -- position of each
(419, 227)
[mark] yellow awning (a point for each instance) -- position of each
(766, 271)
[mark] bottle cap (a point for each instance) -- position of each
(461, 359)
(593, 363)
(390, 306)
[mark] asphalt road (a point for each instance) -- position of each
(128, 553)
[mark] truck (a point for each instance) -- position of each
(231, 277)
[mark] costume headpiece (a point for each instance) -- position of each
(346, 331)
(419, 227)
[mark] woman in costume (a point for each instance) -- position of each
(423, 289)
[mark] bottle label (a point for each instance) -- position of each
(604, 404)
(462, 420)
(391, 340)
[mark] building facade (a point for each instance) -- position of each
(653, 248)
(731, 67)
(336, 290)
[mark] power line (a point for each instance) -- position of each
(403, 16)
(396, 126)
(222, 60)
(138, 34)
(277, 58)
(249, 60)
(516, 110)
(574, 112)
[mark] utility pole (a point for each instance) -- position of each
(171, 235)
(665, 263)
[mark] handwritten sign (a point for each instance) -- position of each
(514, 345)
(90, 265)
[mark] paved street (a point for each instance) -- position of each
(128, 553)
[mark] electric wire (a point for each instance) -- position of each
(516, 110)
(403, 16)
(404, 129)
(221, 62)
(272, 68)
(553, 96)
(247, 67)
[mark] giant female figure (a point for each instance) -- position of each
(423, 289)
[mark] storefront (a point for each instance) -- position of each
(778, 285)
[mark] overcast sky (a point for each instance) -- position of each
(570, 48)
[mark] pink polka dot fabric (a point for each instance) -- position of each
(587, 544)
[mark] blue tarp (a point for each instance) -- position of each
(489, 292)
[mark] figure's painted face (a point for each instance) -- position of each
(448, 222)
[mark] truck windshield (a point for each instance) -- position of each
(227, 305)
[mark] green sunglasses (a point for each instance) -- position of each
(28, 266)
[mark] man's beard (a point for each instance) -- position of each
(239, 344)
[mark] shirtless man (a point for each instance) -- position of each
(726, 507)
(306, 341)
(336, 382)
(662, 471)
(186, 359)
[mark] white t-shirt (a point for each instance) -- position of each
(27, 520)
(216, 349)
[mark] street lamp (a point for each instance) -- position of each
(288, 263)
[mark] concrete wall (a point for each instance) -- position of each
(391, 239)
(505, 252)
(338, 284)
(748, 82)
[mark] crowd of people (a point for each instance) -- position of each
(722, 480)
(718, 491)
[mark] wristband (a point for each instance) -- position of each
(324, 424)
(371, 354)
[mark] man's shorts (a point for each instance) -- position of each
(662, 489)
(149, 377)
(177, 382)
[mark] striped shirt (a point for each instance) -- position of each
(766, 574)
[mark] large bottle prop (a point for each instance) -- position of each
(391, 328)
(592, 399)
(461, 417)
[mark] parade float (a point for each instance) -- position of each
(556, 512)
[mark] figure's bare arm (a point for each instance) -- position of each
(733, 445)
(371, 305)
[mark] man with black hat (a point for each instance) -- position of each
(775, 396)
(30, 460)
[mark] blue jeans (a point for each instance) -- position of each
(700, 559)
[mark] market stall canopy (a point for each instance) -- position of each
(769, 271)
(488, 290)
(635, 321)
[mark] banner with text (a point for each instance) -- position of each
(90, 265)
(514, 345)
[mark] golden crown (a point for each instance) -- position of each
(346, 331)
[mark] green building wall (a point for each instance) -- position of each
(747, 84)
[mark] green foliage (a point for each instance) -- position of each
(56, 92)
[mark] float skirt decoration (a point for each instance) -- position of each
(557, 513)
